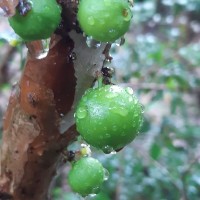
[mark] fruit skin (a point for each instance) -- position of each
(86, 176)
(108, 117)
(39, 23)
(104, 20)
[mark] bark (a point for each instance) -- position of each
(32, 142)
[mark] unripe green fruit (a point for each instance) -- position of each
(108, 117)
(104, 20)
(40, 22)
(86, 176)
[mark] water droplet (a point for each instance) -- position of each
(111, 95)
(142, 108)
(127, 14)
(129, 90)
(130, 99)
(107, 135)
(121, 111)
(123, 134)
(95, 190)
(120, 41)
(91, 20)
(91, 43)
(107, 149)
(72, 56)
(81, 112)
(136, 114)
(114, 128)
(45, 49)
(106, 174)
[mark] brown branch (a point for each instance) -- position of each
(31, 139)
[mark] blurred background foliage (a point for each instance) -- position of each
(160, 60)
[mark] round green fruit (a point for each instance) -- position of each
(86, 176)
(40, 22)
(104, 20)
(109, 117)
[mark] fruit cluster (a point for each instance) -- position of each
(107, 117)
(103, 20)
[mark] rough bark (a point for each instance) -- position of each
(32, 142)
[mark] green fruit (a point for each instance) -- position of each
(108, 117)
(40, 22)
(104, 20)
(86, 176)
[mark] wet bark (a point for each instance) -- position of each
(32, 142)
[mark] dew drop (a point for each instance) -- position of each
(107, 149)
(135, 114)
(81, 112)
(72, 56)
(111, 95)
(120, 41)
(123, 134)
(114, 128)
(107, 135)
(142, 108)
(91, 43)
(61, 115)
(130, 99)
(45, 49)
(127, 14)
(106, 175)
(121, 111)
(129, 90)
(95, 190)
(91, 20)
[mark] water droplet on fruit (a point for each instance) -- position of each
(81, 112)
(114, 128)
(130, 99)
(135, 114)
(127, 14)
(142, 108)
(91, 43)
(123, 134)
(107, 149)
(121, 111)
(107, 135)
(129, 90)
(91, 20)
(95, 190)
(106, 174)
(111, 95)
